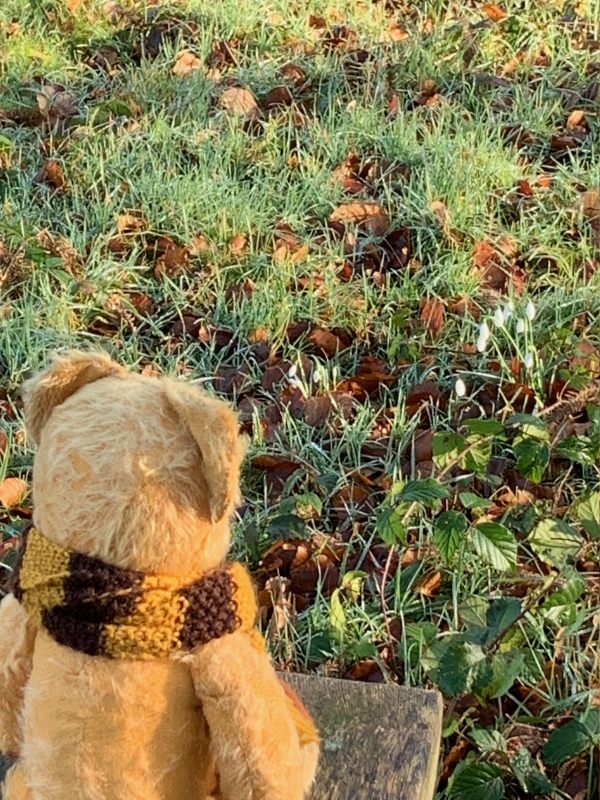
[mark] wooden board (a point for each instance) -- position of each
(380, 742)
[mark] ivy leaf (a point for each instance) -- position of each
(554, 541)
(477, 782)
(533, 457)
(390, 527)
(588, 514)
(448, 533)
(495, 545)
(425, 490)
(566, 741)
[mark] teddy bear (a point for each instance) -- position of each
(130, 665)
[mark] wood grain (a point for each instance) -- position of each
(380, 742)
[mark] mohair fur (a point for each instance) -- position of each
(142, 473)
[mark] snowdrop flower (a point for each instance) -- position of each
(499, 317)
(484, 331)
(529, 360)
(316, 376)
(507, 311)
(460, 388)
(482, 343)
(292, 372)
(521, 326)
(530, 311)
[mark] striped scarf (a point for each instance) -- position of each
(102, 610)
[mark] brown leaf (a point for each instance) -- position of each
(186, 62)
(294, 74)
(277, 468)
(172, 261)
(494, 12)
(440, 210)
(277, 97)
(317, 410)
(368, 217)
(433, 316)
(12, 492)
(239, 102)
(328, 343)
(51, 173)
(576, 119)
(239, 245)
(366, 671)
(429, 585)
(590, 203)
(131, 222)
(3, 443)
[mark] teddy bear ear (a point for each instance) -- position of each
(68, 372)
(215, 429)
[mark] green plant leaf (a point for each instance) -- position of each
(477, 782)
(554, 541)
(566, 741)
(484, 427)
(454, 668)
(352, 582)
(533, 457)
(472, 500)
(569, 594)
(477, 457)
(525, 770)
(287, 526)
(501, 614)
(448, 533)
(446, 445)
(527, 420)
(489, 741)
(390, 527)
(337, 615)
(308, 505)
(426, 491)
(588, 514)
(495, 545)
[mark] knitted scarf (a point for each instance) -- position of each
(102, 610)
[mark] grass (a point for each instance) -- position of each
(465, 137)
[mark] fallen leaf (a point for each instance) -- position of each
(440, 210)
(317, 410)
(239, 102)
(433, 316)
(294, 74)
(429, 585)
(277, 468)
(576, 119)
(51, 173)
(239, 245)
(368, 217)
(278, 97)
(494, 12)
(590, 203)
(131, 222)
(12, 492)
(186, 63)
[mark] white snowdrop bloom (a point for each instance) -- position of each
(521, 326)
(507, 311)
(292, 372)
(529, 360)
(484, 331)
(530, 311)
(482, 343)
(460, 388)
(316, 376)
(499, 317)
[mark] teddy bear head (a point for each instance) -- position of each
(142, 472)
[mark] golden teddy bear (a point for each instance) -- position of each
(130, 668)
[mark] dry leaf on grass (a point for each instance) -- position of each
(12, 491)
(186, 62)
(369, 217)
(494, 12)
(52, 174)
(317, 411)
(590, 203)
(433, 315)
(239, 102)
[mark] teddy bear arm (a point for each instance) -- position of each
(252, 732)
(17, 638)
